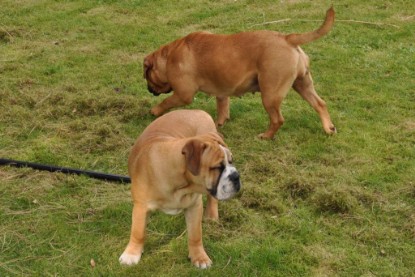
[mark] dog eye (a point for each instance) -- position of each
(218, 167)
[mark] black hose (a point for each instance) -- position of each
(51, 168)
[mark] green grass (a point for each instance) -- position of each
(72, 94)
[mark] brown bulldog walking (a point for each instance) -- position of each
(231, 65)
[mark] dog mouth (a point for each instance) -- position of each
(153, 91)
(157, 92)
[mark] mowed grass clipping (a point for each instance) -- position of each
(72, 94)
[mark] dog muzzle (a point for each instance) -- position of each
(229, 184)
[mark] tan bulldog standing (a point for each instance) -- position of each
(177, 158)
(231, 65)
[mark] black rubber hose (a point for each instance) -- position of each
(52, 168)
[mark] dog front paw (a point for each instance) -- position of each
(202, 261)
(221, 121)
(331, 130)
(156, 111)
(265, 136)
(129, 259)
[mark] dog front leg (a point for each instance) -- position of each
(211, 211)
(134, 249)
(173, 101)
(222, 108)
(197, 253)
(276, 120)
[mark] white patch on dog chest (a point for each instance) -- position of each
(153, 205)
(172, 211)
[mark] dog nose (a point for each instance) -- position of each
(235, 179)
(234, 176)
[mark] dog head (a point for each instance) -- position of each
(154, 71)
(210, 163)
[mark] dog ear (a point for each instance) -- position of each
(147, 66)
(192, 152)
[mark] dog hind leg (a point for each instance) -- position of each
(304, 86)
(274, 87)
(276, 120)
(222, 108)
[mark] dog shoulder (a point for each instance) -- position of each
(196, 36)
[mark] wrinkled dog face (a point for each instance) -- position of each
(154, 73)
(228, 183)
(211, 166)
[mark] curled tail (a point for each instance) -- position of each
(299, 39)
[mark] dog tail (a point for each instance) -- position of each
(299, 39)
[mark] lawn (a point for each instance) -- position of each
(72, 94)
